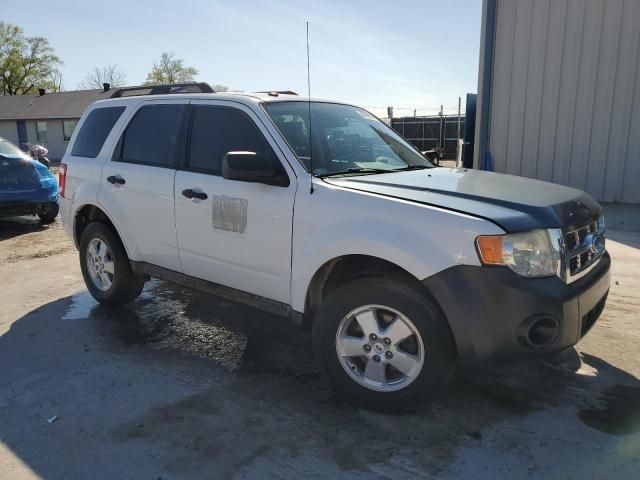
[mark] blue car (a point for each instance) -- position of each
(27, 187)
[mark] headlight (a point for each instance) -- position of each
(530, 254)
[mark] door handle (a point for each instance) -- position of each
(116, 180)
(191, 194)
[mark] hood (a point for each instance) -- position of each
(515, 204)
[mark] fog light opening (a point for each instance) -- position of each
(539, 332)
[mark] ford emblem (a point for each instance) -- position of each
(594, 243)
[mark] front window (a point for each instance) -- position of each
(41, 132)
(68, 126)
(344, 139)
(217, 131)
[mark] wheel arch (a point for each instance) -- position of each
(92, 213)
(342, 269)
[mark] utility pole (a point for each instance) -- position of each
(459, 142)
(442, 135)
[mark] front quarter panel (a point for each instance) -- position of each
(334, 222)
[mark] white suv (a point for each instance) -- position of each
(400, 269)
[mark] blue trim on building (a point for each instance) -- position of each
(484, 155)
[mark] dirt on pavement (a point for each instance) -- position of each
(183, 385)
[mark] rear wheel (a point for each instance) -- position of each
(105, 266)
(383, 344)
(49, 214)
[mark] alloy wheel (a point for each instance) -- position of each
(380, 348)
(100, 264)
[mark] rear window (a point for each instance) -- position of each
(152, 135)
(95, 130)
(8, 149)
(17, 172)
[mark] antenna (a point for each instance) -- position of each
(309, 108)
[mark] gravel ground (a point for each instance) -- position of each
(180, 385)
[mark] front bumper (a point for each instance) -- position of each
(489, 308)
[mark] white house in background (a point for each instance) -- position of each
(46, 118)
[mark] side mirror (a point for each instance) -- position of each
(251, 167)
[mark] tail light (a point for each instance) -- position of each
(62, 178)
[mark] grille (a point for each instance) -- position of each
(584, 246)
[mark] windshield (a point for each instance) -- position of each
(345, 139)
(8, 149)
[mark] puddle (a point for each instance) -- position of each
(617, 411)
(251, 343)
(81, 305)
(239, 338)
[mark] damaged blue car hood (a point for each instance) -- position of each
(26, 180)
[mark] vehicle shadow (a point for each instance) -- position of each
(179, 383)
(11, 227)
(628, 238)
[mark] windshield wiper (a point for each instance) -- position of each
(354, 170)
(413, 167)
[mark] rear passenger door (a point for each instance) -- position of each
(137, 184)
(238, 234)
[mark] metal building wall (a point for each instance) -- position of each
(564, 96)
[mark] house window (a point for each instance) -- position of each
(68, 126)
(41, 132)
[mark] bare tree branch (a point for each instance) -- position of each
(110, 74)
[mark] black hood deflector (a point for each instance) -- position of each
(515, 204)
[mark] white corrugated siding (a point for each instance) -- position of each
(565, 96)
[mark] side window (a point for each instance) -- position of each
(215, 131)
(151, 136)
(95, 130)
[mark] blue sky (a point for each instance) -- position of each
(410, 54)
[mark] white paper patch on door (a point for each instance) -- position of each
(229, 214)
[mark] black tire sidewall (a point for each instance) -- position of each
(125, 283)
(439, 362)
(50, 215)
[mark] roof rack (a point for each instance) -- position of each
(275, 93)
(200, 87)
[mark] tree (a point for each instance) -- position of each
(53, 83)
(26, 63)
(110, 74)
(170, 70)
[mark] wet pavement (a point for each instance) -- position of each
(184, 385)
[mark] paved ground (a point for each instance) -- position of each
(184, 386)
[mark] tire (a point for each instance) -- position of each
(388, 298)
(49, 216)
(124, 286)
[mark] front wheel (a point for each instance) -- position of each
(105, 267)
(383, 344)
